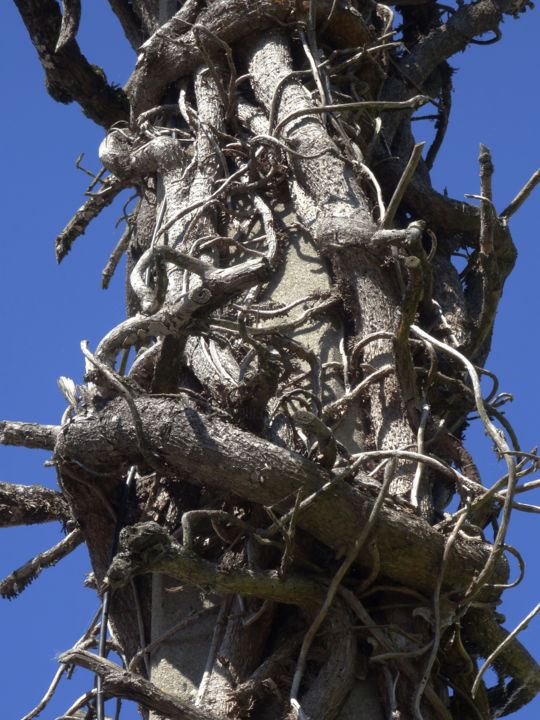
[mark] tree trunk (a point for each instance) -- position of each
(272, 468)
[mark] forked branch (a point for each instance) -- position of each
(118, 682)
(68, 74)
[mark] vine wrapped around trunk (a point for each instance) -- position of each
(274, 434)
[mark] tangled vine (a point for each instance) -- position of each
(279, 421)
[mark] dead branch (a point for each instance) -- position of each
(29, 435)
(404, 180)
(85, 214)
(193, 443)
(513, 662)
(71, 15)
(147, 547)
(68, 74)
(29, 504)
(172, 51)
(438, 211)
(466, 23)
(48, 695)
(487, 270)
(118, 682)
(487, 215)
(19, 579)
(522, 195)
(131, 24)
(114, 258)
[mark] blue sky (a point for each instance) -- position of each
(48, 309)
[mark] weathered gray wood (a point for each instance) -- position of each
(192, 443)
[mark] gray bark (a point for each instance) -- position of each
(283, 552)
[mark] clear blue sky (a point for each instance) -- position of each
(47, 309)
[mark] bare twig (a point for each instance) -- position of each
(379, 335)
(522, 195)
(384, 106)
(393, 205)
(85, 214)
(205, 202)
(79, 702)
(500, 648)
(521, 563)
(437, 616)
(487, 215)
(186, 622)
(120, 683)
(310, 314)
(380, 200)
(433, 462)
(274, 105)
(338, 577)
(341, 404)
(19, 579)
(217, 637)
(48, 695)
(500, 444)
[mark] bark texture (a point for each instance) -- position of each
(263, 488)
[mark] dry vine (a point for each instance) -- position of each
(289, 431)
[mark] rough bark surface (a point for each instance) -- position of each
(263, 489)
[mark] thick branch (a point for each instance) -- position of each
(30, 435)
(469, 21)
(129, 21)
(147, 547)
(466, 23)
(123, 684)
(218, 284)
(487, 213)
(454, 216)
(173, 52)
(193, 444)
(485, 276)
(69, 75)
(71, 16)
(30, 504)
